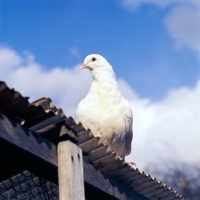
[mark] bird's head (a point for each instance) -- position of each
(99, 66)
(95, 62)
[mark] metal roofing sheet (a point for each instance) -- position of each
(42, 116)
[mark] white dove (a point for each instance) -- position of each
(104, 110)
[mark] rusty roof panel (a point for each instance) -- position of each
(35, 116)
(129, 175)
(99, 153)
(78, 127)
(143, 187)
(167, 193)
(121, 171)
(138, 182)
(84, 136)
(91, 145)
(44, 118)
(3, 87)
(153, 188)
(107, 160)
(56, 117)
(157, 193)
(113, 167)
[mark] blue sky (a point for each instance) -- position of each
(153, 46)
(136, 42)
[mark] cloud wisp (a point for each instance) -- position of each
(182, 20)
(168, 129)
(135, 4)
(165, 129)
(66, 86)
(183, 25)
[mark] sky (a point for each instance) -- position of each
(153, 46)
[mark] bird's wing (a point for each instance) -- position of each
(128, 126)
(81, 112)
(88, 114)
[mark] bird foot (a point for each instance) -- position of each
(130, 164)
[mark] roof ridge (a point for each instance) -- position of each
(42, 115)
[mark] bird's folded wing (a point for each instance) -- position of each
(129, 131)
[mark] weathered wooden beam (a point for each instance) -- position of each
(70, 171)
(27, 149)
(24, 149)
(103, 186)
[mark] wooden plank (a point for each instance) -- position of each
(7, 168)
(27, 149)
(70, 171)
(21, 147)
(59, 132)
(106, 187)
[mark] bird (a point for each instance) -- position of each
(104, 110)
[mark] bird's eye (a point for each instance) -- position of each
(93, 59)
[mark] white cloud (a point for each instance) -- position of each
(74, 51)
(165, 129)
(168, 129)
(183, 25)
(182, 21)
(65, 86)
(135, 4)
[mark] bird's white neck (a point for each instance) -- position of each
(103, 76)
(103, 83)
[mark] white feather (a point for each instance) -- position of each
(104, 110)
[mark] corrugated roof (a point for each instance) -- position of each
(44, 118)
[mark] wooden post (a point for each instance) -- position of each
(70, 171)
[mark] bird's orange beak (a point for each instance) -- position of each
(83, 66)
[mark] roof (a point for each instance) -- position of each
(43, 117)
